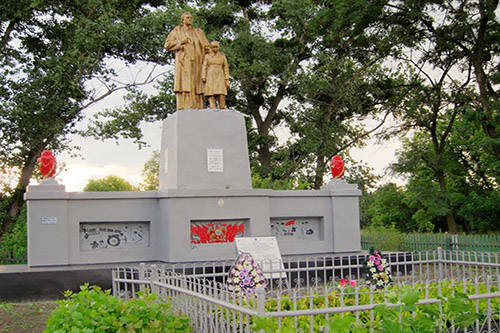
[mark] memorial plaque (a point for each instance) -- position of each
(49, 220)
(215, 162)
(266, 252)
(113, 235)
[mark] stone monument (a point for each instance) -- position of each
(205, 199)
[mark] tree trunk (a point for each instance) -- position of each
(452, 224)
(265, 157)
(16, 201)
(488, 127)
(450, 218)
(319, 172)
(482, 79)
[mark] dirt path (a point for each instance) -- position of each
(25, 317)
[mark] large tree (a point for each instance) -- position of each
(461, 35)
(275, 49)
(451, 46)
(49, 52)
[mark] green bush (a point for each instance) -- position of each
(14, 242)
(108, 183)
(385, 239)
(95, 310)
(278, 184)
(405, 315)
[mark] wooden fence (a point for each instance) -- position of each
(422, 242)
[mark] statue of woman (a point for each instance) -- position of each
(188, 44)
(215, 75)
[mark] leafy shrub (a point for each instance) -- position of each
(14, 242)
(95, 310)
(388, 209)
(455, 310)
(108, 183)
(385, 239)
(278, 184)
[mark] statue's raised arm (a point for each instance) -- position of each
(188, 44)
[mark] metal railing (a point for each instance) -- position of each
(306, 293)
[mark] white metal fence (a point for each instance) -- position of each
(310, 295)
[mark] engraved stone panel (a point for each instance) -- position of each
(217, 231)
(113, 235)
(294, 229)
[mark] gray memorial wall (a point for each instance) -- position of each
(205, 201)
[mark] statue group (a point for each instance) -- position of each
(200, 69)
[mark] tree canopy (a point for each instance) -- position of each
(316, 71)
(108, 184)
(49, 52)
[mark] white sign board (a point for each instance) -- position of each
(49, 220)
(265, 251)
(215, 161)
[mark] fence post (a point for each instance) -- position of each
(440, 263)
(261, 301)
(114, 275)
(142, 275)
(154, 278)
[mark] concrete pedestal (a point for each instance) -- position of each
(205, 200)
(204, 149)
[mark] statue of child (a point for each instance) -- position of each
(215, 76)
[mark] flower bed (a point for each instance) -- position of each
(442, 305)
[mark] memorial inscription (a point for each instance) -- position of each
(265, 251)
(215, 161)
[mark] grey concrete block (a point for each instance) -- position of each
(197, 193)
(204, 149)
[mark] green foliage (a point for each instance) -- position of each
(13, 244)
(277, 184)
(6, 306)
(344, 324)
(325, 59)
(482, 211)
(388, 209)
(151, 173)
(95, 310)
(268, 325)
(456, 311)
(397, 311)
(453, 150)
(277, 52)
(49, 51)
(385, 238)
(108, 183)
